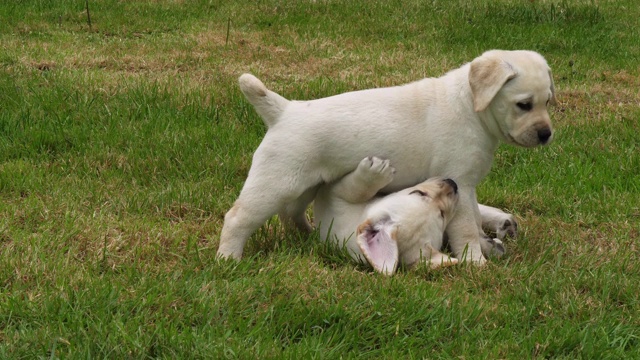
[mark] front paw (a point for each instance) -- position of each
(373, 168)
(492, 247)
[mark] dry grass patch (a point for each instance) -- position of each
(615, 93)
(207, 57)
(294, 60)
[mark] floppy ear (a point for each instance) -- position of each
(553, 100)
(487, 75)
(377, 241)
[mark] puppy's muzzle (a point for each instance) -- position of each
(453, 185)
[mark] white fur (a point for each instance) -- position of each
(403, 227)
(448, 126)
(498, 222)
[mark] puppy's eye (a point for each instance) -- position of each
(421, 193)
(524, 106)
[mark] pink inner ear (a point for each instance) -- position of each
(380, 248)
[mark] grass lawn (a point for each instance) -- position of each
(124, 142)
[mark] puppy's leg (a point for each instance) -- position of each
(265, 193)
(439, 260)
(491, 247)
(295, 212)
(463, 231)
(429, 255)
(371, 175)
(498, 222)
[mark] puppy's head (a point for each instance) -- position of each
(438, 196)
(514, 90)
(405, 221)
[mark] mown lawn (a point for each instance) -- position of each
(123, 143)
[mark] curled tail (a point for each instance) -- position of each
(268, 104)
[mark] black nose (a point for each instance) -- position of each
(544, 135)
(452, 184)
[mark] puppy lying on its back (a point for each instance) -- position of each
(406, 226)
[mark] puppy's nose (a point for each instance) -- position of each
(544, 134)
(452, 184)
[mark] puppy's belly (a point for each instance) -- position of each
(410, 163)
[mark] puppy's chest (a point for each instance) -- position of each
(336, 215)
(407, 176)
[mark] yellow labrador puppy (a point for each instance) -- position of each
(404, 227)
(448, 126)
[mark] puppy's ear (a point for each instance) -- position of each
(553, 100)
(377, 241)
(486, 77)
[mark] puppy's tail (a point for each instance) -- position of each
(268, 104)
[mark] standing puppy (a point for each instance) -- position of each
(404, 227)
(448, 126)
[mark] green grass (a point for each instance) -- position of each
(123, 145)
